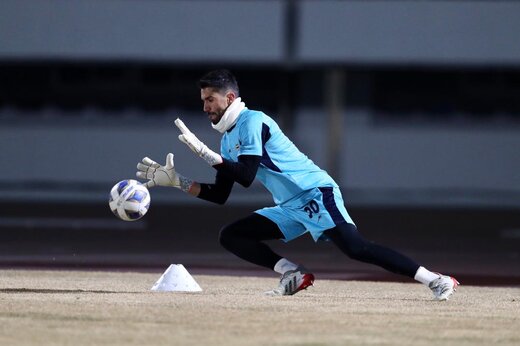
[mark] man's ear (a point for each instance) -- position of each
(230, 97)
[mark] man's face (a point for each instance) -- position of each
(215, 103)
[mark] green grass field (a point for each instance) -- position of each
(118, 308)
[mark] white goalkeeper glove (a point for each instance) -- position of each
(162, 175)
(199, 148)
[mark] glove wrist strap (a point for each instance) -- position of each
(184, 183)
(211, 157)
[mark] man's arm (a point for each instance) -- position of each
(217, 192)
(228, 172)
(166, 175)
(243, 171)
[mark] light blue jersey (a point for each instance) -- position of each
(307, 198)
(284, 170)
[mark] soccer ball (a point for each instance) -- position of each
(129, 200)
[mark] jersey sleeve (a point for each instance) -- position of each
(250, 136)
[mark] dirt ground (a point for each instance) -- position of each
(118, 308)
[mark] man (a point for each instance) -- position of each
(307, 199)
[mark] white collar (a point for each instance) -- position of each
(230, 116)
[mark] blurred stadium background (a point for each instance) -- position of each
(413, 107)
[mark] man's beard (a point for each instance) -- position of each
(215, 117)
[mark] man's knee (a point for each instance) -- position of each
(225, 235)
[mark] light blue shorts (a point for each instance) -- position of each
(313, 211)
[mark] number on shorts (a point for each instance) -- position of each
(312, 208)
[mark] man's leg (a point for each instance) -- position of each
(346, 237)
(245, 237)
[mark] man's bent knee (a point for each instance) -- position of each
(225, 235)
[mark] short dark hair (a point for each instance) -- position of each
(221, 80)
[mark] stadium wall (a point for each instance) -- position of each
(459, 164)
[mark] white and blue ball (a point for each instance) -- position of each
(129, 200)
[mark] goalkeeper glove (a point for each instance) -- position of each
(162, 175)
(199, 148)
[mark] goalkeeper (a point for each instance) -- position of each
(307, 199)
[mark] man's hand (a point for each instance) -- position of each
(162, 175)
(199, 148)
